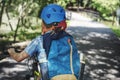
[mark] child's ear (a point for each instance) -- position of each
(43, 28)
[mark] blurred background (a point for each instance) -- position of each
(19, 18)
(20, 22)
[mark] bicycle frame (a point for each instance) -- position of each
(36, 68)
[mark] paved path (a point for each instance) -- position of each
(95, 40)
(100, 45)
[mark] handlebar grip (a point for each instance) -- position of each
(5, 52)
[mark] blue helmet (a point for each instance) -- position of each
(53, 13)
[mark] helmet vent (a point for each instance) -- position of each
(48, 15)
(61, 10)
(54, 9)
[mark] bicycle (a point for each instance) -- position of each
(35, 71)
(34, 68)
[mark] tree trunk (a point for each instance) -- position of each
(15, 35)
(9, 19)
(2, 11)
(88, 4)
(81, 3)
(78, 4)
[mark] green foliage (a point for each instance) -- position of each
(105, 7)
(26, 15)
(63, 2)
(28, 33)
(24, 35)
(117, 31)
(114, 28)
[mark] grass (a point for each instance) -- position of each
(114, 27)
(23, 34)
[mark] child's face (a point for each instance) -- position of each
(44, 29)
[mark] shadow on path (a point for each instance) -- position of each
(11, 70)
(102, 50)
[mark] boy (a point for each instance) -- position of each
(62, 63)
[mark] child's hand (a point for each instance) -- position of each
(11, 51)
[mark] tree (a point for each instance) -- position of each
(105, 7)
(2, 10)
(24, 12)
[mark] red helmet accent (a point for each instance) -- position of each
(62, 24)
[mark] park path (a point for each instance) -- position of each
(95, 40)
(100, 46)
